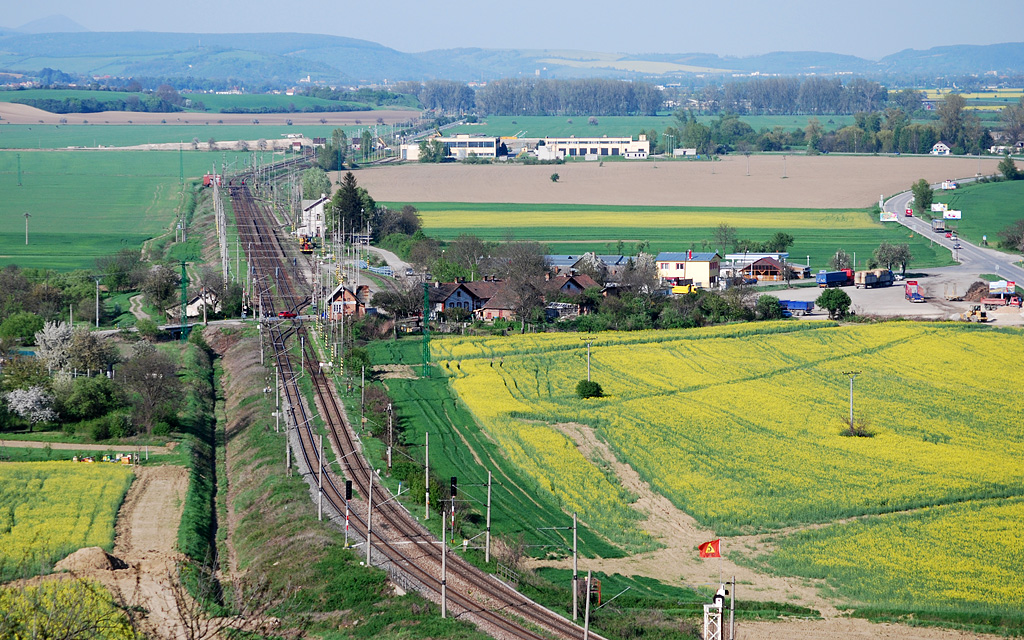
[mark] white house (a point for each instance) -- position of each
(312, 223)
(940, 148)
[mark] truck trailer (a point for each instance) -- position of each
(839, 278)
(938, 225)
(912, 291)
(797, 307)
(874, 278)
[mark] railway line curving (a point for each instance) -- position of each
(399, 543)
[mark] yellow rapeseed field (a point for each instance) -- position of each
(966, 555)
(740, 426)
(62, 608)
(531, 217)
(49, 509)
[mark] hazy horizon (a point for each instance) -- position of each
(871, 29)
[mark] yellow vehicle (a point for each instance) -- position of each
(975, 314)
(681, 289)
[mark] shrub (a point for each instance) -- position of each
(99, 429)
(588, 389)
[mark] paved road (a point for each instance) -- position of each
(977, 259)
(936, 283)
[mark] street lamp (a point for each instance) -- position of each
(27, 216)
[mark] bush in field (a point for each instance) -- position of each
(588, 389)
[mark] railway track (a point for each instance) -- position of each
(397, 540)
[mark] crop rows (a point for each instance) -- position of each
(49, 509)
(742, 427)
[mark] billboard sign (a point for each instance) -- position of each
(952, 214)
(887, 216)
(1001, 286)
(938, 206)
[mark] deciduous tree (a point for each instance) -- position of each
(152, 385)
(841, 260)
(33, 404)
(836, 301)
(923, 195)
(53, 345)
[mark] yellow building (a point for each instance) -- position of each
(701, 269)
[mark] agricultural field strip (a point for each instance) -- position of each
(49, 509)
(708, 398)
(967, 555)
(460, 216)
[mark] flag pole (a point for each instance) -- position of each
(719, 563)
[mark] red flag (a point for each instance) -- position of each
(710, 549)
(689, 254)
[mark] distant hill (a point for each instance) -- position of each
(52, 24)
(284, 58)
(959, 59)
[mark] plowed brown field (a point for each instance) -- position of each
(820, 182)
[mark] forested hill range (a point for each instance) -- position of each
(284, 58)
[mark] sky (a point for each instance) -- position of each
(865, 28)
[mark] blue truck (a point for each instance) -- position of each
(797, 307)
(839, 278)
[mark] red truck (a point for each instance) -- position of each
(993, 302)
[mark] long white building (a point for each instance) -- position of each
(462, 145)
(573, 147)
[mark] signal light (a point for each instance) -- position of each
(348, 489)
(455, 488)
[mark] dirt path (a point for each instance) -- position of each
(136, 308)
(146, 541)
(678, 563)
(128, 448)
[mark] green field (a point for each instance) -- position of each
(66, 94)
(457, 448)
(818, 233)
(742, 427)
(179, 128)
(987, 208)
(84, 205)
(541, 126)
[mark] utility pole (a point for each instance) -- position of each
(487, 536)
(444, 569)
(391, 435)
(852, 375)
(426, 326)
(320, 479)
(586, 617)
(27, 216)
(589, 342)
(369, 516)
(97, 278)
(184, 302)
(575, 573)
(426, 473)
(732, 610)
